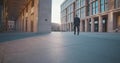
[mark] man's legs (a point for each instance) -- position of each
(74, 29)
(78, 30)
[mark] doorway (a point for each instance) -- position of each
(89, 25)
(32, 26)
(104, 22)
(26, 24)
(96, 25)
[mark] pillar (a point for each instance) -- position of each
(90, 8)
(35, 15)
(70, 27)
(62, 27)
(44, 16)
(92, 25)
(65, 26)
(99, 5)
(100, 24)
(81, 26)
(86, 25)
(110, 22)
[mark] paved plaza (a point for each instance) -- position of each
(60, 47)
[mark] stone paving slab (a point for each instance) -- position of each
(63, 47)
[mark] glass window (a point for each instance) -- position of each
(72, 17)
(77, 4)
(104, 5)
(102, 8)
(88, 10)
(78, 13)
(95, 7)
(82, 2)
(82, 13)
(102, 2)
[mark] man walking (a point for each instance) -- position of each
(76, 24)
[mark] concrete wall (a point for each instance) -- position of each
(44, 16)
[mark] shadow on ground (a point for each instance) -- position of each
(4, 37)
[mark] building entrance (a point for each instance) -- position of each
(96, 25)
(104, 22)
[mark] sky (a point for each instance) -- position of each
(56, 10)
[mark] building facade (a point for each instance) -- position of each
(0, 17)
(29, 15)
(4, 16)
(95, 15)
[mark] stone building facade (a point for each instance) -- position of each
(29, 15)
(95, 15)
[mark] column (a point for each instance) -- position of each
(100, 24)
(70, 27)
(65, 26)
(35, 10)
(44, 16)
(62, 26)
(110, 22)
(22, 25)
(81, 26)
(86, 8)
(86, 25)
(92, 25)
(99, 5)
(90, 8)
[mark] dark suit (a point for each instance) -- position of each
(76, 25)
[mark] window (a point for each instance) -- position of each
(82, 3)
(82, 13)
(95, 7)
(77, 4)
(68, 18)
(78, 13)
(117, 3)
(71, 17)
(104, 5)
(88, 10)
(71, 8)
